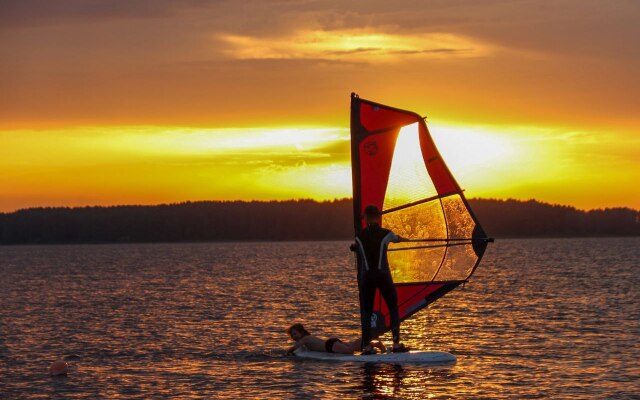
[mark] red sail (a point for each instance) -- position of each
(397, 167)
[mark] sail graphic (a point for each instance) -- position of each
(397, 167)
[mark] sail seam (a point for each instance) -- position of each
(425, 200)
(433, 246)
(429, 282)
(446, 248)
(447, 240)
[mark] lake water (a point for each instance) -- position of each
(541, 318)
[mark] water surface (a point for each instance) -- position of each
(545, 318)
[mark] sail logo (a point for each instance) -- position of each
(371, 148)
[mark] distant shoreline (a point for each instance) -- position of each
(282, 221)
(284, 241)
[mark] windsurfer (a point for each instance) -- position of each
(333, 345)
(371, 247)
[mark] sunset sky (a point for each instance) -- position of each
(147, 102)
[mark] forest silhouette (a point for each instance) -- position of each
(283, 221)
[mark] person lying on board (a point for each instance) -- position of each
(332, 345)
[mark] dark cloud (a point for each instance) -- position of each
(162, 61)
(575, 26)
(379, 50)
(340, 151)
(27, 13)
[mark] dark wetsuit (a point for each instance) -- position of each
(374, 273)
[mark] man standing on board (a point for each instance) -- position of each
(371, 247)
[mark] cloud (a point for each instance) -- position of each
(353, 45)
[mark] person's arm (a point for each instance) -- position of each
(398, 238)
(299, 343)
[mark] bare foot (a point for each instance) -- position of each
(380, 346)
(399, 348)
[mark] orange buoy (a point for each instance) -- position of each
(59, 367)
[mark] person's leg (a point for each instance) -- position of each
(367, 291)
(344, 348)
(355, 345)
(388, 293)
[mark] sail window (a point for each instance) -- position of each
(409, 179)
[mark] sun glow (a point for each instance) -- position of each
(150, 165)
(408, 178)
(482, 159)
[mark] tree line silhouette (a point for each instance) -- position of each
(284, 220)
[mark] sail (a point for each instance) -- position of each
(397, 167)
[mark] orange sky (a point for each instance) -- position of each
(115, 102)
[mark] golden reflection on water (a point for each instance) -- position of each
(382, 379)
(398, 381)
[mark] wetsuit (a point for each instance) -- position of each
(374, 273)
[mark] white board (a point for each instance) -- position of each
(411, 357)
